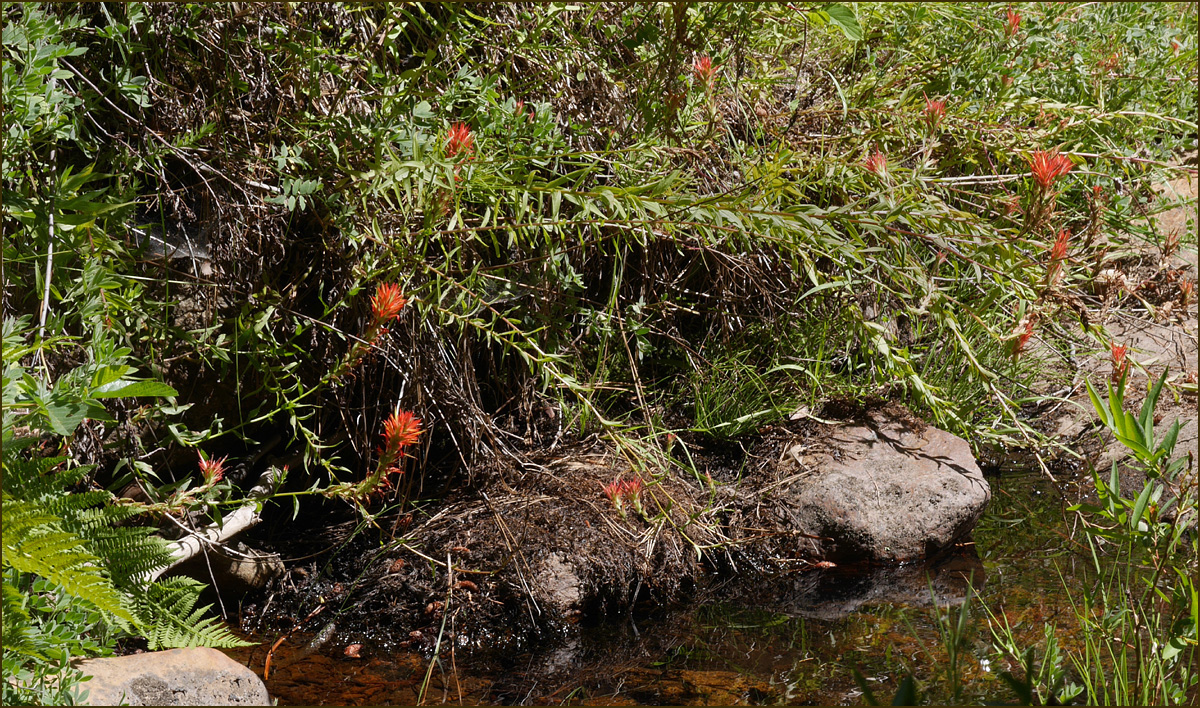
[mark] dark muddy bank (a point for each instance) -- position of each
(543, 550)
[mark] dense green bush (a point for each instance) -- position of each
(640, 217)
(575, 251)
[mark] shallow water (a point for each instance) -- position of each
(795, 639)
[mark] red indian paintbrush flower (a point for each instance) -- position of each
(1058, 254)
(1120, 362)
(633, 492)
(632, 488)
(621, 491)
(703, 69)
(1012, 22)
(1049, 166)
(1059, 250)
(213, 470)
(876, 162)
(459, 140)
(1023, 332)
(935, 111)
(387, 302)
(1171, 244)
(400, 430)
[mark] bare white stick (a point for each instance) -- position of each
(244, 518)
(50, 240)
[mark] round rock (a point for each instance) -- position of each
(198, 676)
(888, 491)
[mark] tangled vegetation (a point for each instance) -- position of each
(482, 231)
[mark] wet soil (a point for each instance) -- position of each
(786, 638)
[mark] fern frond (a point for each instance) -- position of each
(167, 608)
(107, 515)
(18, 634)
(78, 508)
(131, 553)
(75, 541)
(35, 477)
(35, 543)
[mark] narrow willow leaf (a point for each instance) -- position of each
(1139, 506)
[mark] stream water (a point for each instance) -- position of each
(796, 640)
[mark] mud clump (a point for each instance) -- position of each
(524, 559)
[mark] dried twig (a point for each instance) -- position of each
(244, 518)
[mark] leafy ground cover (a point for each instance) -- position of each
(627, 223)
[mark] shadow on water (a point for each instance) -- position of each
(786, 639)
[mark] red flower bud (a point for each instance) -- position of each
(876, 162)
(387, 303)
(213, 470)
(459, 140)
(1049, 166)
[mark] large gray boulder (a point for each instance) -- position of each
(891, 491)
(198, 676)
(888, 489)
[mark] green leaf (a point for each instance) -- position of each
(1139, 506)
(1129, 427)
(906, 693)
(1142, 454)
(822, 286)
(845, 20)
(64, 415)
(868, 695)
(1139, 449)
(1167, 446)
(1147, 416)
(1173, 647)
(1023, 689)
(1101, 409)
(1174, 468)
(128, 389)
(95, 411)
(108, 374)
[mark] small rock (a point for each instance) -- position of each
(233, 575)
(256, 571)
(199, 676)
(559, 584)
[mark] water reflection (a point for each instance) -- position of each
(834, 593)
(790, 638)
